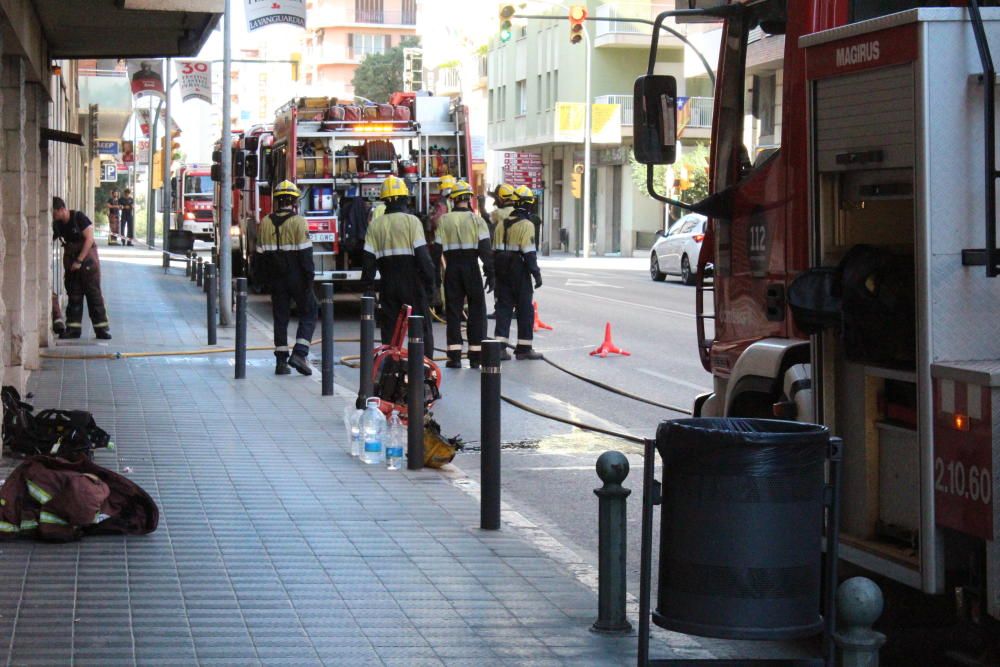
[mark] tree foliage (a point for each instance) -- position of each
(381, 74)
(694, 160)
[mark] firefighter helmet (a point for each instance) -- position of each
(503, 192)
(461, 189)
(447, 183)
(524, 195)
(287, 189)
(393, 187)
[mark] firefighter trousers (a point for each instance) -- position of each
(462, 280)
(283, 293)
(84, 283)
(514, 294)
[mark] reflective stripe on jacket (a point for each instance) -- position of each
(516, 236)
(292, 234)
(461, 230)
(394, 234)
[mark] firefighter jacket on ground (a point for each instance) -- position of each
(396, 246)
(465, 240)
(54, 499)
(516, 263)
(286, 262)
(85, 282)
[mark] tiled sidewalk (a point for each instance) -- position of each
(275, 547)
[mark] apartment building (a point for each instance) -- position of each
(341, 33)
(535, 71)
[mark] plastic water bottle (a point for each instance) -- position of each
(372, 432)
(352, 425)
(394, 442)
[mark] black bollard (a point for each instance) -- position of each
(187, 264)
(166, 261)
(241, 328)
(327, 361)
(612, 468)
(200, 272)
(366, 383)
(211, 305)
(194, 266)
(489, 436)
(415, 394)
(204, 284)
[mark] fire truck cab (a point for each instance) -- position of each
(192, 192)
(855, 269)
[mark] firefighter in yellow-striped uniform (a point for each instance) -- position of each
(465, 239)
(502, 195)
(395, 244)
(286, 259)
(516, 262)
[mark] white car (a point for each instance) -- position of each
(676, 252)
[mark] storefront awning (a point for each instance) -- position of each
(127, 28)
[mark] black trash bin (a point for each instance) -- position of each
(742, 523)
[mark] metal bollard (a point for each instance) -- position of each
(415, 394)
(859, 605)
(327, 350)
(200, 272)
(166, 261)
(489, 436)
(194, 266)
(211, 303)
(187, 264)
(366, 383)
(204, 284)
(241, 328)
(612, 545)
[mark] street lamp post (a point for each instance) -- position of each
(168, 154)
(587, 108)
(226, 189)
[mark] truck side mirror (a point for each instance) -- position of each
(252, 166)
(655, 123)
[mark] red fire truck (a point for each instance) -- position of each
(855, 267)
(338, 155)
(192, 191)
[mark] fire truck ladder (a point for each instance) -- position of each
(988, 256)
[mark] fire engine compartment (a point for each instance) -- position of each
(896, 147)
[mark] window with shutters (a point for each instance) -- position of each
(368, 11)
(409, 8)
(361, 44)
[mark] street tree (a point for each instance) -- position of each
(381, 74)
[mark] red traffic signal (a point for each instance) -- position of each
(577, 15)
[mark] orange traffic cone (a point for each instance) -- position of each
(608, 346)
(538, 322)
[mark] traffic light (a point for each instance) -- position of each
(576, 185)
(577, 15)
(506, 30)
(296, 59)
(217, 166)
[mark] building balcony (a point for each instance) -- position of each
(694, 117)
(447, 81)
(625, 35)
(344, 16)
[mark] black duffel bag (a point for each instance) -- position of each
(68, 434)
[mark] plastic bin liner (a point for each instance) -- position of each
(741, 527)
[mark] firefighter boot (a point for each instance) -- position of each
(70, 332)
(526, 353)
(300, 363)
(103, 333)
(281, 364)
(454, 359)
(475, 359)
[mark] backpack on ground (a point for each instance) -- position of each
(65, 433)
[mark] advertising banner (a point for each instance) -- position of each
(107, 147)
(146, 77)
(128, 152)
(262, 13)
(195, 78)
(142, 151)
(605, 123)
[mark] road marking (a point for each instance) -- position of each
(674, 380)
(572, 282)
(622, 303)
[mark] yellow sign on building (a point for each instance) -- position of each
(157, 170)
(605, 123)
